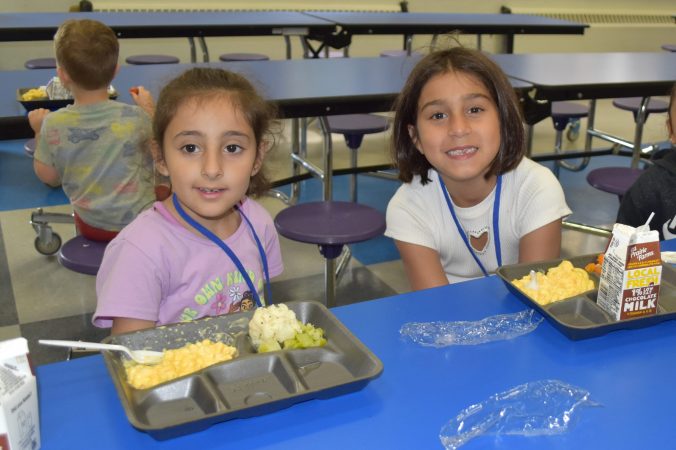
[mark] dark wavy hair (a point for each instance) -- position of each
(204, 83)
(408, 159)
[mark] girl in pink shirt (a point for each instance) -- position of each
(208, 249)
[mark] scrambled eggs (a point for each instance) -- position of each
(34, 94)
(178, 362)
(559, 283)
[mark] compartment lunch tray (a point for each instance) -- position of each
(49, 104)
(251, 384)
(579, 317)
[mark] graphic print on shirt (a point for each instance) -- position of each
(479, 239)
(669, 229)
(216, 297)
(76, 135)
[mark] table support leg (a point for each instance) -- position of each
(638, 134)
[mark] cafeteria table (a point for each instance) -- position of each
(592, 76)
(190, 24)
(410, 23)
(298, 87)
(628, 372)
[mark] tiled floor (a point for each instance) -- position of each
(41, 299)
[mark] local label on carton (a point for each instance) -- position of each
(631, 274)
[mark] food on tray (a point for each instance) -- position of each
(596, 267)
(34, 94)
(276, 327)
(560, 282)
(178, 362)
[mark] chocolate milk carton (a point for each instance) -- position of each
(19, 419)
(631, 274)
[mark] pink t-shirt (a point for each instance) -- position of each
(158, 270)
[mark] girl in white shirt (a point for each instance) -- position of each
(470, 201)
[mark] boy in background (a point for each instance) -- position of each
(97, 148)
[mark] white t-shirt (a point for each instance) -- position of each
(531, 197)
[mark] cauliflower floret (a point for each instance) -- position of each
(273, 323)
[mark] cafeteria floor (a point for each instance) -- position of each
(41, 299)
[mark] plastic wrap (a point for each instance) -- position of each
(494, 328)
(544, 407)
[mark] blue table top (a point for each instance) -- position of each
(570, 76)
(437, 23)
(300, 88)
(42, 26)
(421, 388)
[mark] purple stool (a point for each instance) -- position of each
(669, 47)
(330, 225)
(634, 103)
(562, 114)
(243, 57)
(353, 127)
(40, 63)
(614, 180)
(143, 60)
(82, 255)
(29, 147)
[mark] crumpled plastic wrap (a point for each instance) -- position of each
(56, 90)
(493, 328)
(544, 407)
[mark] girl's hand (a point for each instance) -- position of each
(36, 117)
(142, 98)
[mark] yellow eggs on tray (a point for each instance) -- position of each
(212, 370)
(558, 283)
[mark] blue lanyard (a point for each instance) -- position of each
(216, 240)
(496, 230)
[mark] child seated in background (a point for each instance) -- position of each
(655, 189)
(209, 249)
(97, 148)
(471, 201)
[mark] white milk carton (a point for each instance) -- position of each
(631, 274)
(19, 419)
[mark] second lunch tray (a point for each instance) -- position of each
(251, 384)
(579, 317)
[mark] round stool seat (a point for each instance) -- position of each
(243, 57)
(615, 180)
(29, 147)
(82, 255)
(40, 63)
(634, 103)
(142, 60)
(397, 54)
(669, 47)
(330, 224)
(562, 112)
(355, 126)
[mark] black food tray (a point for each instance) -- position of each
(579, 317)
(249, 385)
(46, 103)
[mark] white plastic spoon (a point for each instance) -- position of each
(140, 356)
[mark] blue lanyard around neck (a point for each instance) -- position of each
(216, 240)
(496, 229)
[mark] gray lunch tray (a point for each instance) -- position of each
(579, 317)
(251, 384)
